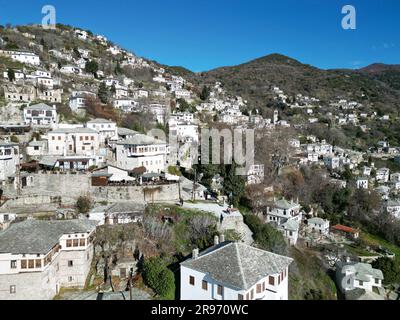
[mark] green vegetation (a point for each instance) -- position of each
(157, 276)
(92, 67)
(308, 279)
(265, 235)
(84, 204)
(391, 270)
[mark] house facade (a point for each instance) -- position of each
(234, 271)
(9, 159)
(142, 151)
(40, 115)
(350, 276)
(38, 258)
(73, 141)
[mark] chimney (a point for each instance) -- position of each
(195, 254)
(222, 238)
(216, 240)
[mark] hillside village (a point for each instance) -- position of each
(96, 204)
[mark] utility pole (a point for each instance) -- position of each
(194, 185)
(130, 284)
(18, 174)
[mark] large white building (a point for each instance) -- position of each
(234, 271)
(38, 258)
(286, 216)
(142, 151)
(73, 141)
(106, 129)
(9, 159)
(40, 115)
(22, 56)
(350, 276)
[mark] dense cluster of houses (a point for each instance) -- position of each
(49, 255)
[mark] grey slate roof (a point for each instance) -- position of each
(362, 271)
(73, 130)
(141, 139)
(40, 107)
(126, 132)
(237, 265)
(316, 220)
(39, 237)
(284, 204)
(126, 207)
(99, 120)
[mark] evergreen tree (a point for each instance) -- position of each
(92, 67)
(103, 93)
(205, 93)
(11, 75)
(234, 185)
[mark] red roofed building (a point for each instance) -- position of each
(350, 232)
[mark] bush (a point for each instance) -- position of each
(158, 277)
(265, 235)
(389, 268)
(84, 204)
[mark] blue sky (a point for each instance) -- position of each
(205, 34)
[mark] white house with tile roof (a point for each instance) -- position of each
(234, 271)
(286, 217)
(106, 128)
(350, 276)
(142, 151)
(37, 258)
(318, 225)
(73, 141)
(40, 115)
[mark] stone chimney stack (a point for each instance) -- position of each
(216, 240)
(195, 254)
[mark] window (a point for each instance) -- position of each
(252, 294)
(13, 264)
(377, 281)
(263, 286)
(247, 296)
(191, 280)
(31, 264)
(271, 280)
(69, 279)
(82, 242)
(204, 285)
(240, 297)
(361, 283)
(70, 263)
(219, 290)
(69, 243)
(13, 289)
(258, 290)
(23, 264)
(76, 242)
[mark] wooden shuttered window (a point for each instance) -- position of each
(76, 242)
(31, 264)
(69, 243)
(191, 280)
(82, 242)
(220, 289)
(258, 288)
(204, 285)
(38, 263)
(23, 264)
(271, 280)
(240, 297)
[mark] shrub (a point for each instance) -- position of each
(158, 277)
(265, 235)
(84, 204)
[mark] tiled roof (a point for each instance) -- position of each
(39, 237)
(237, 265)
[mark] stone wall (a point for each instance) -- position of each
(49, 188)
